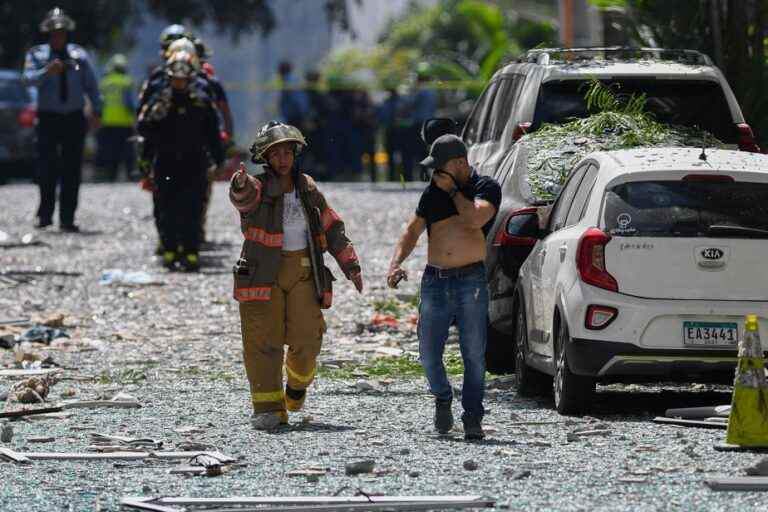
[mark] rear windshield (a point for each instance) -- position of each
(686, 103)
(687, 209)
(13, 91)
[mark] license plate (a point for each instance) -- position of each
(710, 333)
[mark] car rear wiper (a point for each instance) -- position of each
(738, 230)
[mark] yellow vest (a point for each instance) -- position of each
(114, 87)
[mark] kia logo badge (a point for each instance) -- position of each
(712, 253)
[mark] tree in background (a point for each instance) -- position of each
(732, 32)
(459, 44)
(106, 25)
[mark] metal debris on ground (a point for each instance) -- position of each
(725, 447)
(313, 503)
(695, 413)
(26, 240)
(30, 412)
(27, 372)
(738, 483)
(142, 442)
(708, 423)
(38, 272)
(207, 465)
(126, 455)
(760, 468)
(120, 401)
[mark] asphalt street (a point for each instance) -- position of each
(176, 348)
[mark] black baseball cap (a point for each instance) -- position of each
(445, 148)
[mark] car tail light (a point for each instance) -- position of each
(520, 130)
(600, 317)
(26, 117)
(590, 260)
(747, 139)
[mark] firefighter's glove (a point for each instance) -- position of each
(240, 177)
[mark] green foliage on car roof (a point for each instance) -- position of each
(615, 122)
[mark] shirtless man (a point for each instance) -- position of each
(457, 209)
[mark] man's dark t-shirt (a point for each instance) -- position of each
(436, 205)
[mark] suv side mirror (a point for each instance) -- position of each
(435, 127)
(520, 229)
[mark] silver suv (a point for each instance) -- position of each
(682, 87)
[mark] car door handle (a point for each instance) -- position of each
(563, 251)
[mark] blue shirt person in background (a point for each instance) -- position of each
(63, 77)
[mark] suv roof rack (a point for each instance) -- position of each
(545, 56)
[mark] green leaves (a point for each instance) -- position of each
(602, 98)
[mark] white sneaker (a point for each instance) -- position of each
(265, 421)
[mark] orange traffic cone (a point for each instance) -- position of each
(748, 422)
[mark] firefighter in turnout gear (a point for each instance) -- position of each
(173, 39)
(181, 133)
(280, 279)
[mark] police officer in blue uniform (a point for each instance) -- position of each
(63, 77)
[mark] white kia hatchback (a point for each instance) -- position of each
(644, 271)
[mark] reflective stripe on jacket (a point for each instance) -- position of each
(260, 203)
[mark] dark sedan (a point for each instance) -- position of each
(18, 147)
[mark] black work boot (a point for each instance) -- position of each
(443, 416)
(472, 428)
(294, 398)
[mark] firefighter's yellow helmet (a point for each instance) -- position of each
(275, 132)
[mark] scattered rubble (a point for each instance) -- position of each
(120, 277)
(6, 433)
(359, 467)
(33, 390)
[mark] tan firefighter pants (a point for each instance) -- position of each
(292, 317)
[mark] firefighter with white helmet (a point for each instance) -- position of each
(180, 128)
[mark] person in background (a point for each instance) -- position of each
(316, 156)
(365, 125)
(387, 116)
(63, 76)
(118, 119)
(420, 107)
(294, 102)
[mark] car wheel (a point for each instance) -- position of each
(499, 352)
(530, 382)
(573, 393)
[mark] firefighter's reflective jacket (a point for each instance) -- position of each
(260, 203)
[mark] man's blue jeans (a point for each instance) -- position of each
(463, 298)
